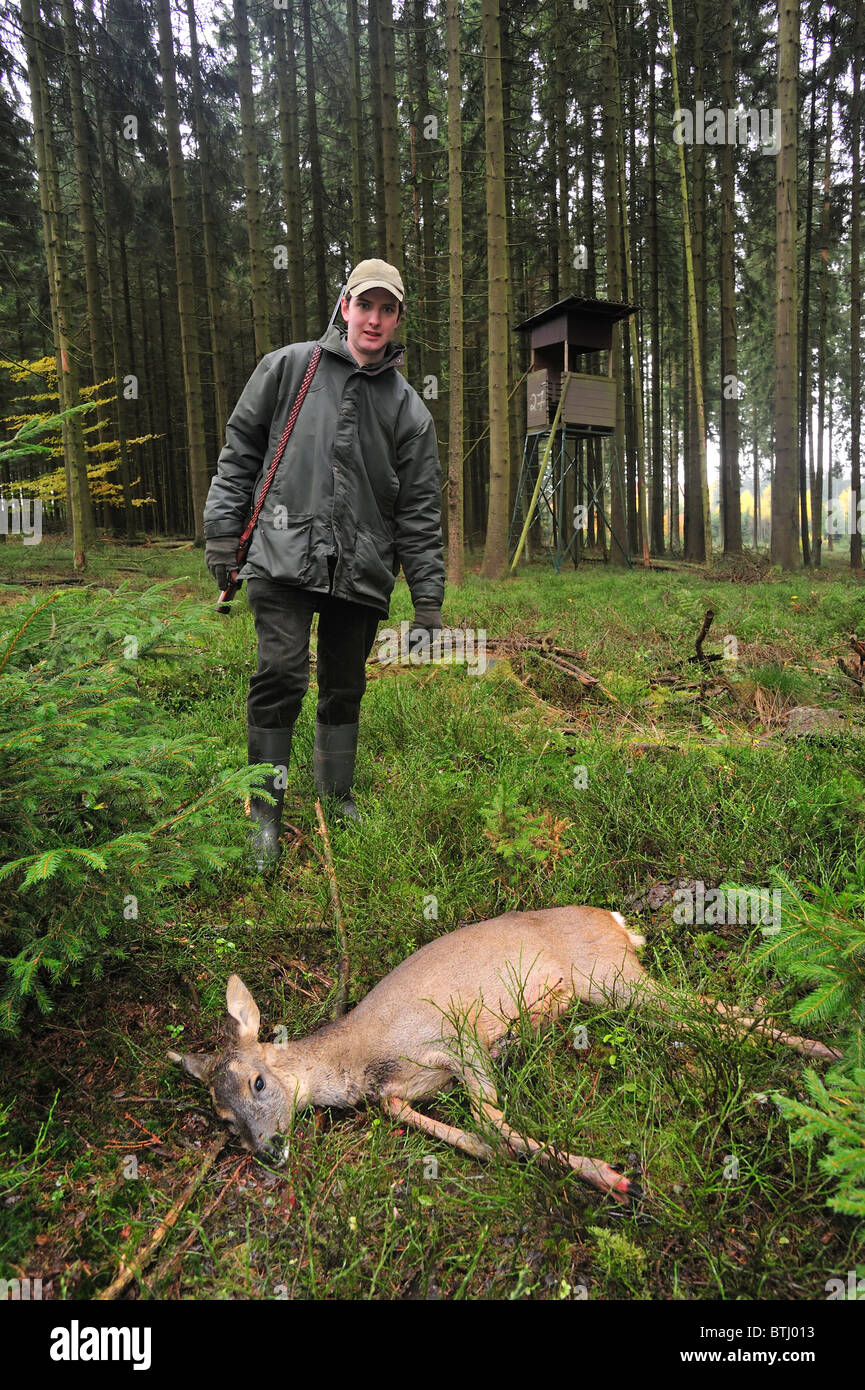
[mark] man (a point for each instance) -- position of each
(356, 494)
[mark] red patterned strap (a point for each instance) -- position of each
(280, 450)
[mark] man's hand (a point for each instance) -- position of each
(220, 556)
(428, 617)
(427, 622)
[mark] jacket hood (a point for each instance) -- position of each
(335, 341)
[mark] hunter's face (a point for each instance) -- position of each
(372, 318)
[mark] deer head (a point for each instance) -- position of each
(257, 1103)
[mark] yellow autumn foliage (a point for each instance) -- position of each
(105, 454)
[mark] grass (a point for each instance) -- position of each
(478, 794)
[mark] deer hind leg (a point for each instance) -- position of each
(651, 995)
(484, 1102)
(743, 1025)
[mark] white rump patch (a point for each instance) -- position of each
(634, 937)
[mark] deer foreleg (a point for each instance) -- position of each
(401, 1110)
(593, 1170)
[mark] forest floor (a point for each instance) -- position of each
(520, 787)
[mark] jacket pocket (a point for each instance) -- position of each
(372, 577)
(282, 545)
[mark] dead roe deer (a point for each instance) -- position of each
(435, 1020)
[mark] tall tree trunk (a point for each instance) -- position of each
(427, 270)
(596, 533)
(548, 116)
(87, 223)
(756, 448)
(675, 537)
(152, 519)
(496, 548)
(456, 542)
(698, 246)
(657, 522)
(784, 544)
(730, 481)
(629, 297)
(825, 224)
(81, 141)
(286, 74)
(858, 513)
(804, 327)
(113, 276)
(694, 547)
(390, 137)
(315, 173)
(377, 119)
(197, 455)
(257, 273)
(355, 121)
(78, 494)
(211, 253)
(168, 475)
(516, 341)
(589, 278)
(419, 349)
(618, 524)
(830, 540)
(633, 199)
(561, 52)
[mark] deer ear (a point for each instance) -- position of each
(201, 1065)
(242, 1010)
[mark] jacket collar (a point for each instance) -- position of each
(334, 340)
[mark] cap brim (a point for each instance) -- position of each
(374, 285)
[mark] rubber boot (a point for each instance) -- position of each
(333, 760)
(268, 746)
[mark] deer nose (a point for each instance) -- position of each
(276, 1149)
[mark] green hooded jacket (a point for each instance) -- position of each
(360, 477)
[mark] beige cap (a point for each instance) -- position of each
(370, 275)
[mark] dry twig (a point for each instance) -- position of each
(701, 637)
(141, 1260)
(169, 1264)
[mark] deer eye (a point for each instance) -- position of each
(259, 1083)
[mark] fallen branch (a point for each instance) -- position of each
(167, 1266)
(851, 675)
(40, 583)
(342, 968)
(582, 676)
(140, 1261)
(543, 644)
(855, 672)
(135, 1143)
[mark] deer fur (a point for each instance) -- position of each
(437, 1019)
